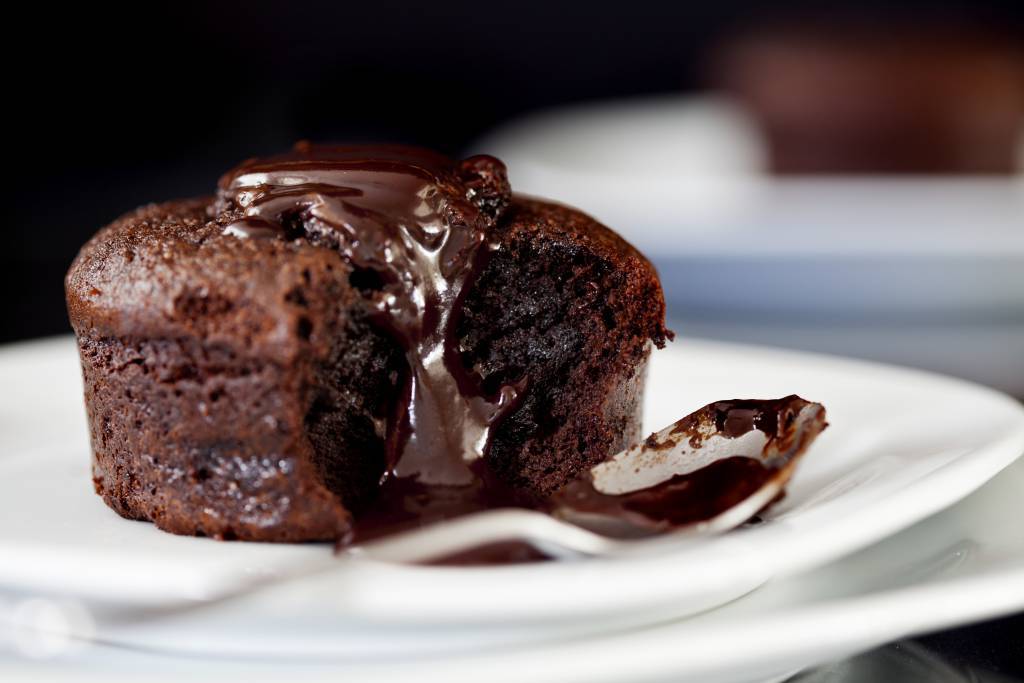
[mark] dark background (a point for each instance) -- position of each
(109, 111)
(146, 103)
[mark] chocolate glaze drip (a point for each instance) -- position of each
(414, 225)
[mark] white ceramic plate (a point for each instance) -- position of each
(963, 564)
(902, 445)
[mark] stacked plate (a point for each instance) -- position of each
(848, 560)
(918, 271)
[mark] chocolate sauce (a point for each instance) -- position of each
(736, 418)
(681, 500)
(508, 552)
(704, 493)
(417, 226)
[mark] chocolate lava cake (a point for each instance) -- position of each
(350, 339)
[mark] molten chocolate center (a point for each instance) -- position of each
(414, 225)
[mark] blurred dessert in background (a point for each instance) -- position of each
(879, 95)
